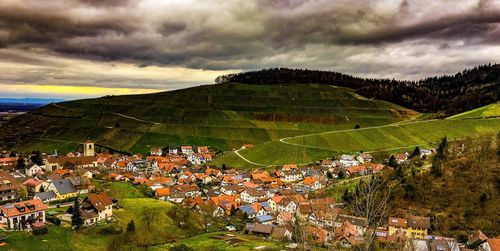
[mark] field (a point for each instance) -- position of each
(492, 110)
(223, 116)
(389, 138)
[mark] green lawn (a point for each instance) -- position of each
(163, 229)
(212, 241)
(58, 239)
(118, 190)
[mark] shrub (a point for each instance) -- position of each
(40, 231)
(54, 220)
(181, 247)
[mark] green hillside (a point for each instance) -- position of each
(388, 138)
(223, 116)
(488, 111)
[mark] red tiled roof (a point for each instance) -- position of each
(13, 209)
(99, 200)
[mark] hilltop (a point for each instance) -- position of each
(223, 116)
(448, 94)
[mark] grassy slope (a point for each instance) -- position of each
(492, 110)
(389, 138)
(222, 116)
(386, 137)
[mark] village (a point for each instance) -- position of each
(285, 204)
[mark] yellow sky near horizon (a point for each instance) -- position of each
(66, 92)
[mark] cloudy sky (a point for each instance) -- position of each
(85, 48)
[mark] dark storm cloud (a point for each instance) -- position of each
(373, 38)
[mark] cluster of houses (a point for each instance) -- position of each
(272, 202)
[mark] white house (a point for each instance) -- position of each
(22, 214)
(348, 160)
(32, 169)
(252, 195)
(187, 150)
(292, 175)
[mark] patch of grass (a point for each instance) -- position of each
(58, 238)
(118, 190)
(220, 241)
(492, 110)
(395, 136)
(387, 139)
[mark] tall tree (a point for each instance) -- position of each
(76, 218)
(372, 202)
(21, 163)
(416, 152)
(148, 216)
(37, 158)
(131, 226)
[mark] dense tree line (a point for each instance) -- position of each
(448, 94)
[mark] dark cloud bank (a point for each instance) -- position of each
(380, 38)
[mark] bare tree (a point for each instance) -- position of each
(148, 216)
(300, 231)
(372, 202)
(207, 216)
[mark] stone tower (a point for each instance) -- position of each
(88, 148)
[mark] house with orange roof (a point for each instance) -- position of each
(187, 150)
(356, 170)
(9, 161)
(22, 214)
(312, 183)
(202, 149)
(491, 245)
(273, 202)
(33, 185)
(289, 167)
(318, 235)
(285, 218)
(99, 205)
(213, 172)
(156, 151)
(347, 235)
(162, 193)
(287, 205)
(249, 184)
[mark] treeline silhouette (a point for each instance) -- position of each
(448, 94)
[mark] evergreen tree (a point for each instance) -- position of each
(232, 212)
(37, 158)
(21, 164)
(76, 218)
(436, 167)
(442, 148)
(399, 172)
(131, 226)
(392, 161)
(341, 174)
(416, 152)
(346, 197)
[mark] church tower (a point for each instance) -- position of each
(88, 148)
